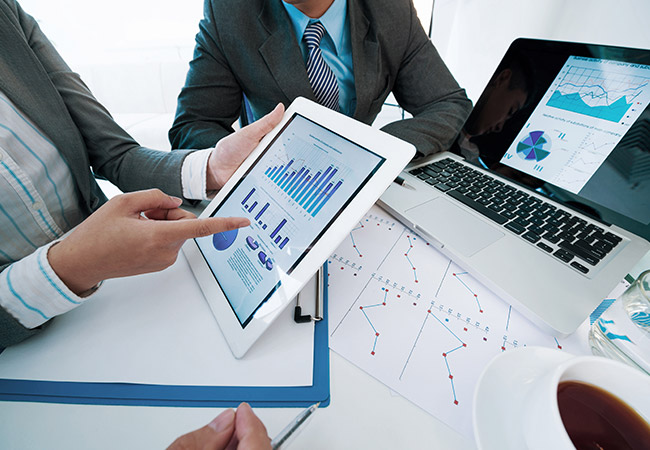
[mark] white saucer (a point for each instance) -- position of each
(500, 395)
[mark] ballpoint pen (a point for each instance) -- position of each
(402, 182)
(293, 426)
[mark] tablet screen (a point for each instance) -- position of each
(296, 188)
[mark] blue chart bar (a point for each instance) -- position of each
(277, 239)
(252, 207)
(327, 198)
(284, 243)
(259, 214)
(319, 198)
(272, 173)
(267, 171)
(248, 196)
(278, 228)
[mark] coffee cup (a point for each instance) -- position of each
(543, 424)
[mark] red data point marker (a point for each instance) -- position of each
(560, 347)
(372, 353)
(341, 268)
(455, 402)
(429, 311)
(453, 274)
(451, 377)
(416, 281)
(384, 303)
(360, 307)
(465, 329)
(444, 354)
(376, 334)
(360, 256)
(399, 296)
(480, 310)
(485, 339)
(464, 345)
(503, 348)
(475, 296)
(415, 304)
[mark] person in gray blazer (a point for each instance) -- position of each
(374, 47)
(52, 131)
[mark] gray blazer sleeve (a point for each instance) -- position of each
(425, 87)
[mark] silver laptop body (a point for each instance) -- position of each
(588, 219)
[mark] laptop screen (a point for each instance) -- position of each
(571, 121)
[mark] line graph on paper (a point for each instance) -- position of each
(416, 321)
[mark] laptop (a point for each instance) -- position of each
(545, 194)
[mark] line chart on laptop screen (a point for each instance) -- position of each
(583, 115)
(426, 336)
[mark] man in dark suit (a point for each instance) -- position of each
(256, 48)
(52, 130)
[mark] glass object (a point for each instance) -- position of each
(623, 331)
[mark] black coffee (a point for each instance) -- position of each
(596, 419)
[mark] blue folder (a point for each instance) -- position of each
(132, 394)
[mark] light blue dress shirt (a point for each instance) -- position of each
(336, 47)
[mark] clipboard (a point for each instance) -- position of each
(132, 394)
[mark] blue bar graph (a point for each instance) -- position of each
(284, 242)
(252, 207)
(277, 239)
(311, 191)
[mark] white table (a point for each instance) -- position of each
(363, 414)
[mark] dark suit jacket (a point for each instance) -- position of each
(249, 47)
(35, 77)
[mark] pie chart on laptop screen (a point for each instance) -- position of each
(534, 147)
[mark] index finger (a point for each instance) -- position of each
(193, 228)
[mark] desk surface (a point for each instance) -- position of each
(363, 414)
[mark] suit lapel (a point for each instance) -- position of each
(24, 80)
(281, 53)
(365, 59)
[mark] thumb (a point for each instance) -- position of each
(215, 435)
(260, 128)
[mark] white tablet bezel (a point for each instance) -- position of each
(396, 154)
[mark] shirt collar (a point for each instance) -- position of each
(333, 20)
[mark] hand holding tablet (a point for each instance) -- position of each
(303, 188)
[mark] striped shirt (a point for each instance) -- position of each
(38, 205)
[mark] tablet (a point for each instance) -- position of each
(304, 187)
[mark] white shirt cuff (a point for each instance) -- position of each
(194, 175)
(32, 292)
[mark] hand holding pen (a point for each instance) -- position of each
(241, 430)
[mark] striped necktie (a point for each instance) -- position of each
(322, 79)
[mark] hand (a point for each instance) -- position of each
(232, 150)
(117, 240)
(242, 430)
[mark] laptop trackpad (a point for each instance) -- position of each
(453, 226)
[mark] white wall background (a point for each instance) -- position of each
(473, 35)
(134, 53)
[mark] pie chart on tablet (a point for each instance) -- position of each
(222, 241)
(534, 147)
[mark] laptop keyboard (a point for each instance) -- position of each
(569, 238)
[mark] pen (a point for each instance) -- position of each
(293, 426)
(402, 182)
